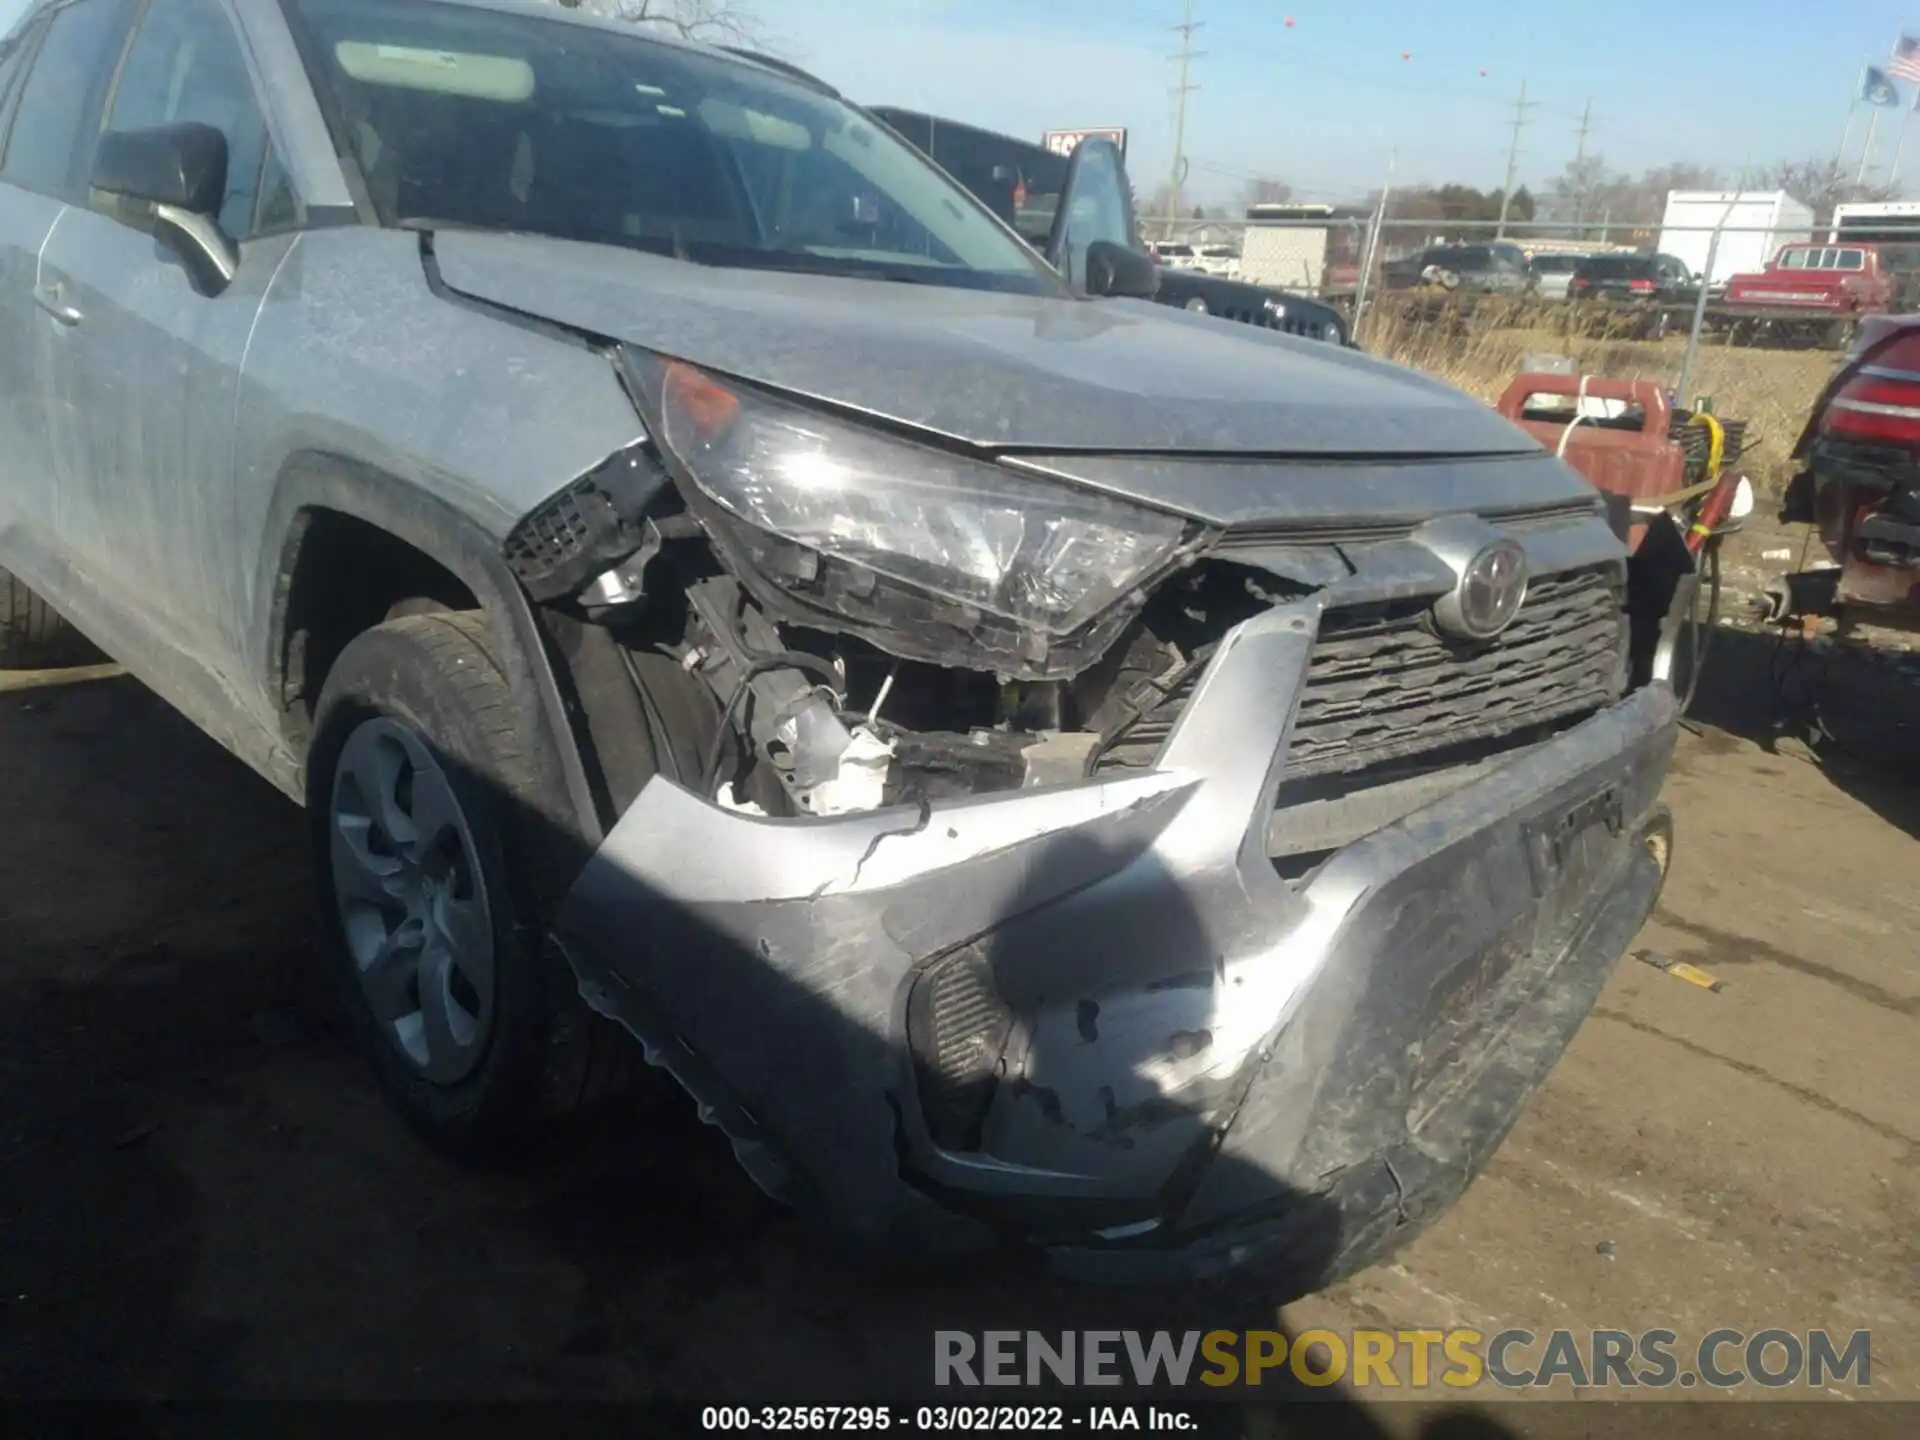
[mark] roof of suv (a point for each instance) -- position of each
(1617, 264)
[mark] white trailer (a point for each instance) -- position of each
(1753, 225)
(1876, 222)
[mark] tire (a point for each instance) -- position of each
(32, 633)
(1702, 621)
(437, 939)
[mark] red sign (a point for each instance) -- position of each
(1065, 142)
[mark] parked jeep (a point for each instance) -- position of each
(1021, 183)
(1038, 767)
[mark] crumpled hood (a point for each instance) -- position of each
(991, 370)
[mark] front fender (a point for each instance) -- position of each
(313, 482)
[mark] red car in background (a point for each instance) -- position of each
(1820, 291)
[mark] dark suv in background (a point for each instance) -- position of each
(1496, 269)
(1652, 287)
(1638, 278)
(1021, 183)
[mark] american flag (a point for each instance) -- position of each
(1906, 59)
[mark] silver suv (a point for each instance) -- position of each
(1037, 766)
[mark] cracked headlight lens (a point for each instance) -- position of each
(1046, 556)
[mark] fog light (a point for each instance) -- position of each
(957, 1029)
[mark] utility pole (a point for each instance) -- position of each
(1520, 108)
(1579, 175)
(1185, 29)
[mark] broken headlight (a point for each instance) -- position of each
(904, 538)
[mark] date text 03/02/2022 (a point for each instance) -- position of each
(945, 1419)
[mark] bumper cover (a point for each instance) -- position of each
(1211, 1070)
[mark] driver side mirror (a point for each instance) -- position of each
(173, 179)
(1119, 273)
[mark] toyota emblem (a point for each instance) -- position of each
(1491, 590)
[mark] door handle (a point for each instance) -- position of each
(52, 299)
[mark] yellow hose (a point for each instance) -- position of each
(1716, 459)
(1716, 443)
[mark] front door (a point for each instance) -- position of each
(145, 442)
(52, 76)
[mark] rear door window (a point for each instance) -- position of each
(50, 146)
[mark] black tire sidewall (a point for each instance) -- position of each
(388, 672)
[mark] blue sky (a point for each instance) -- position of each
(1327, 100)
(1323, 104)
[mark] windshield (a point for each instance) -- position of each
(465, 117)
(1555, 264)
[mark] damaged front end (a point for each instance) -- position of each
(1014, 858)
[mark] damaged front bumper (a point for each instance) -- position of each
(1097, 1020)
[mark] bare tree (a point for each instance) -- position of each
(1820, 184)
(720, 21)
(1592, 192)
(1267, 191)
(1571, 195)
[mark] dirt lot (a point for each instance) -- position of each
(200, 1193)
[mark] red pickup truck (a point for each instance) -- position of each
(1818, 290)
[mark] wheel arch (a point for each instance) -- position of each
(320, 497)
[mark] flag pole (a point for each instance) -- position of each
(1866, 151)
(1900, 145)
(1853, 111)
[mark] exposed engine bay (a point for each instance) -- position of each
(991, 634)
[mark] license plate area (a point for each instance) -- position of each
(1566, 848)
(1569, 850)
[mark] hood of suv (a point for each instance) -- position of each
(1004, 372)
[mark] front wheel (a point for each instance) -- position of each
(1694, 634)
(438, 875)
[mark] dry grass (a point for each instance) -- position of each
(1479, 348)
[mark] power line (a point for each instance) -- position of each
(1520, 109)
(1185, 29)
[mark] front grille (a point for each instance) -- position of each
(1267, 320)
(1382, 685)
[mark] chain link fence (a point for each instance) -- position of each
(1475, 306)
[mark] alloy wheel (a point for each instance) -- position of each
(413, 900)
